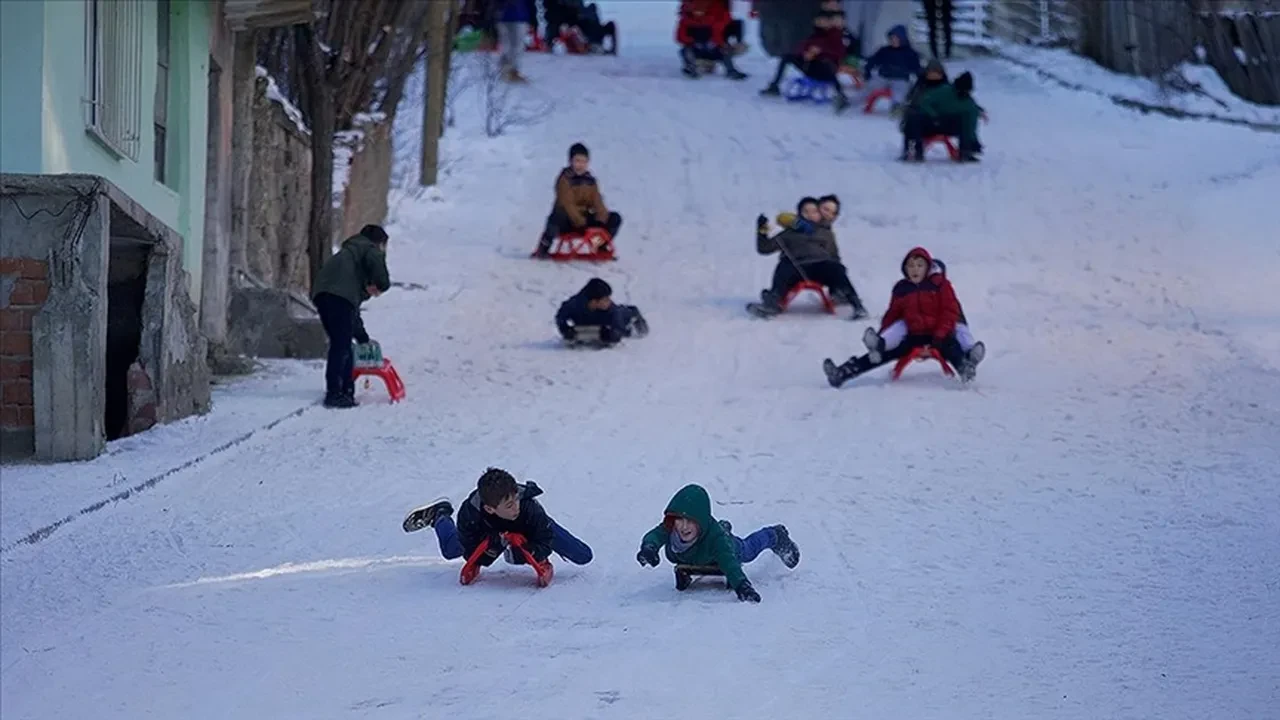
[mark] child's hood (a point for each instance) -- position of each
(691, 502)
(900, 32)
(916, 251)
(937, 267)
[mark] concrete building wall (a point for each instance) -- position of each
(42, 99)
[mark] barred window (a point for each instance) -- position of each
(113, 73)
(162, 89)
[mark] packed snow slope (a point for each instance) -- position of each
(1091, 530)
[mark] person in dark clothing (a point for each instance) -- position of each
(896, 63)
(355, 273)
(819, 57)
(498, 505)
(809, 252)
(579, 204)
(939, 11)
(925, 302)
(593, 307)
(703, 36)
(586, 19)
(937, 107)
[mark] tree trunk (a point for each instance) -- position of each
(433, 108)
(323, 121)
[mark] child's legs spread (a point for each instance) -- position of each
(894, 334)
(569, 547)
(831, 274)
(965, 337)
(750, 547)
(447, 534)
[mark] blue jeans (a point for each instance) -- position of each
(750, 547)
(562, 542)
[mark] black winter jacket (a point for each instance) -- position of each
(474, 525)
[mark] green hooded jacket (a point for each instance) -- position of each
(946, 100)
(714, 546)
(348, 273)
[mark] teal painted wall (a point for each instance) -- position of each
(59, 118)
(21, 77)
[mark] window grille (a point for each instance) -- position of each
(161, 114)
(113, 73)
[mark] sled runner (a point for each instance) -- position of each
(921, 354)
(370, 362)
(590, 245)
(471, 570)
(815, 91)
(952, 150)
(586, 336)
(828, 306)
(686, 573)
(883, 93)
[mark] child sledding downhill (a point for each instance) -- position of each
(500, 518)
(924, 312)
(938, 107)
(703, 37)
(592, 317)
(819, 57)
(893, 67)
(692, 537)
(808, 252)
(578, 204)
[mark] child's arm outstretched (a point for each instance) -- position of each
(650, 544)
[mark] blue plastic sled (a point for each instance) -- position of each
(818, 92)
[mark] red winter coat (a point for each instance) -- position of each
(702, 13)
(829, 43)
(929, 307)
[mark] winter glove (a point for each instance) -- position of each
(746, 593)
(609, 335)
(496, 545)
(647, 556)
(638, 327)
(362, 338)
(762, 224)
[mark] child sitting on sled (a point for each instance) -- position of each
(692, 536)
(578, 204)
(593, 306)
(924, 312)
(809, 252)
(703, 36)
(499, 505)
(897, 63)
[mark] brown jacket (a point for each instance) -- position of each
(803, 248)
(577, 195)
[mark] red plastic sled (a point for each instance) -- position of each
(591, 245)
(922, 354)
(386, 371)
(883, 93)
(827, 304)
(471, 569)
(952, 150)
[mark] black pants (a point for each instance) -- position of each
(829, 273)
(819, 70)
(339, 320)
(558, 222)
(733, 33)
(950, 349)
(917, 126)
(939, 11)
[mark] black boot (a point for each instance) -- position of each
(784, 547)
(837, 375)
(874, 343)
(772, 91)
(770, 302)
(968, 369)
(339, 400)
(427, 515)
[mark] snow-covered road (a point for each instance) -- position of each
(1090, 531)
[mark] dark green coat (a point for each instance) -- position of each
(348, 273)
(714, 546)
(944, 101)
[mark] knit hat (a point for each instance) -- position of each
(577, 149)
(964, 83)
(596, 289)
(374, 233)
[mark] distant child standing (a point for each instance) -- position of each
(513, 26)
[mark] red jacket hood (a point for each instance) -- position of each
(922, 253)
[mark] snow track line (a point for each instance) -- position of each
(44, 532)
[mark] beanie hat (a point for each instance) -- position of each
(964, 83)
(806, 200)
(577, 149)
(374, 233)
(597, 289)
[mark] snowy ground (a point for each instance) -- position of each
(1091, 531)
